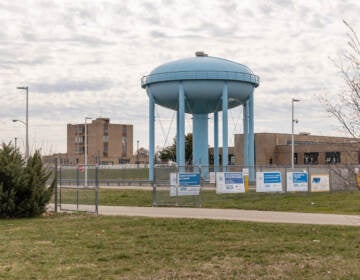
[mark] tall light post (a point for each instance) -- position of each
(26, 144)
(86, 151)
(293, 121)
(26, 121)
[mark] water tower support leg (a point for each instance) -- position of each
(251, 138)
(200, 144)
(225, 126)
(177, 136)
(151, 135)
(246, 134)
(216, 141)
(181, 161)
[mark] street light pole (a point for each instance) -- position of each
(292, 130)
(86, 152)
(26, 122)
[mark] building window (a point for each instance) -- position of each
(80, 129)
(295, 158)
(105, 138)
(124, 131)
(231, 159)
(106, 149)
(124, 147)
(106, 129)
(311, 158)
(79, 149)
(332, 157)
(79, 139)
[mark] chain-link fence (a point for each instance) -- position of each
(78, 186)
(168, 192)
(168, 189)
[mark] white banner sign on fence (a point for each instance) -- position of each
(297, 181)
(320, 183)
(183, 183)
(229, 182)
(268, 181)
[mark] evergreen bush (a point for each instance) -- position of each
(23, 185)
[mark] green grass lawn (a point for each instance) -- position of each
(91, 247)
(334, 202)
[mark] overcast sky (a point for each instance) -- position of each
(86, 58)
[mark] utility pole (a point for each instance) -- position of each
(137, 153)
(292, 130)
(26, 122)
(86, 152)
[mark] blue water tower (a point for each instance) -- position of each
(200, 86)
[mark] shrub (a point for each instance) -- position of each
(23, 189)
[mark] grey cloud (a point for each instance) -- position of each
(284, 3)
(158, 34)
(35, 61)
(13, 8)
(67, 86)
(29, 36)
(213, 30)
(90, 40)
(149, 6)
(152, 20)
(229, 6)
(265, 8)
(78, 38)
(168, 2)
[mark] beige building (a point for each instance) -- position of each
(275, 149)
(107, 143)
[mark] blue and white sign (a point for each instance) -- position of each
(319, 183)
(229, 182)
(185, 184)
(189, 179)
(268, 181)
(297, 181)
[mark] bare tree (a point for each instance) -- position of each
(347, 111)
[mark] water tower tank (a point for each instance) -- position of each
(202, 85)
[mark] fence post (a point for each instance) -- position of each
(77, 177)
(77, 188)
(200, 187)
(96, 190)
(309, 181)
(55, 185)
(60, 175)
(330, 179)
(154, 193)
(285, 176)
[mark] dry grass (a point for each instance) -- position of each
(89, 247)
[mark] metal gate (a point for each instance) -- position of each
(79, 191)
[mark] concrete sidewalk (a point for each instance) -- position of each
(226, 214)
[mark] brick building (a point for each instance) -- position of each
(275, 149)
(107, 143)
